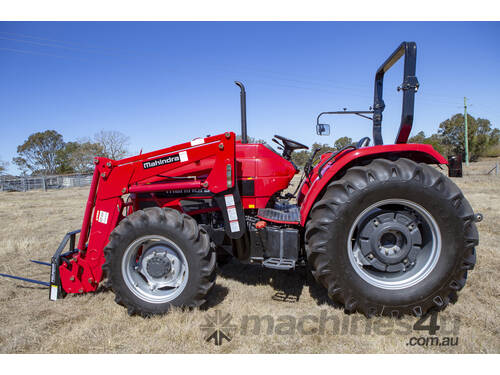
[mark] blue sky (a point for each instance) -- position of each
(169, 82)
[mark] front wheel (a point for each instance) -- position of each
(392, 238)
(158, 258)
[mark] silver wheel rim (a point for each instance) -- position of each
(425, 255)
(155, 269)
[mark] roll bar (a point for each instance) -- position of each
(409, 86)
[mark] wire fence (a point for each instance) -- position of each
(11, 183)
(490, 170)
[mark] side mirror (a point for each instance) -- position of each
(322, 129)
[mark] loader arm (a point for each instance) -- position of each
(204, 163)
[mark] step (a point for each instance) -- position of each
(279, 263)
(289, 215)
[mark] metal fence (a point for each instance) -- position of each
(10, 183)
(491, 170)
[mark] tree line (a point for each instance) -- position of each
(483, 138)
(449, 140)
(46, 153)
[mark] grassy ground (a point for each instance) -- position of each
(33, 223)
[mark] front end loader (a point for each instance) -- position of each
(380, 228)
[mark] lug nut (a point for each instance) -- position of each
(370, 256)
(124, 190)
(80, 290)
(228, 135)
(376, 223)
(103, 174)
(72, 278)
(405, 261)
(90, 280)
(108, 164)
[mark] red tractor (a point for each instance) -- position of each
(383, 231)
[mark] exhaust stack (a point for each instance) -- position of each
(243, 104)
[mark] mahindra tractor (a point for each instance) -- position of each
(379, 226)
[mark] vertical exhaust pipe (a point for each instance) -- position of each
(243, 104)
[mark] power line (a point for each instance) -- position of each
(58, 41)
(48, 45)
(36, 53)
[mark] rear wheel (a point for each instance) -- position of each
(392, 238)
(158, 258)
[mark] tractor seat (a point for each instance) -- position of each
(363, 142)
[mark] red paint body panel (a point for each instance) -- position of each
(269, 171)
(310, 190)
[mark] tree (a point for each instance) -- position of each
(342, 142)
(481, 135)
(114, 144)
(38, 153)
(301, 157)
(434, 140)
(417, 138)
(78, 156)
(3, 166)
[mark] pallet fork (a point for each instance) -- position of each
(55, 289)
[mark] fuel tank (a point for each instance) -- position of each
(261, 172)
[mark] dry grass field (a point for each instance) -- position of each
(33, 224)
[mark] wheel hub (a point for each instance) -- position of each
(389, 241)
(155, 268)
(159, 266)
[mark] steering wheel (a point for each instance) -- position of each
(289, 146)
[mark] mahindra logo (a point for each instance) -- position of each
(161, 161)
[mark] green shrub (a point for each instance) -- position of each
(493, 151)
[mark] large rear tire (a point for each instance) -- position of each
(392, 238)
(157, 258)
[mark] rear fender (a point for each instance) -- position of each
(418, 152)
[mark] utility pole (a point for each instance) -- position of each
(466, 135)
